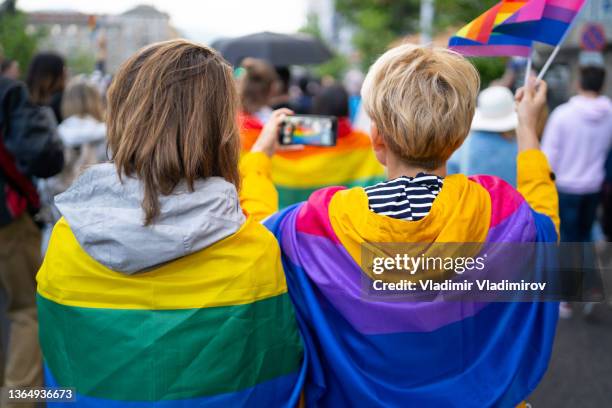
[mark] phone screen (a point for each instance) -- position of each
(310, 130)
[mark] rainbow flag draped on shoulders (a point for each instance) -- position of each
(296, 174)
(364, 353)
(213, 328)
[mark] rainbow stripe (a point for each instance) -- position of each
(477, 38)
(479, 30)
(297, 174)
(366, 353)
(556, 18)
(215, 328)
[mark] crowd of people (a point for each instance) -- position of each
(188, 257)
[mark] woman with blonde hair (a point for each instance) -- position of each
(160, 287)
(368, 346)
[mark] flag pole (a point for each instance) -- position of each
(528, 70)
(549, 62)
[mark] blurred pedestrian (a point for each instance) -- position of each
(577, 140)
(255, 82)
(280, 96)
(255, 85)
(353, 80)
(351, 162)
(46, 79)
(29, 148)
(308, 87)
(83, 133)
(10, 69)
(491, 146)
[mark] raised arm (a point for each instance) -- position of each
(534, 175)
(258, 196)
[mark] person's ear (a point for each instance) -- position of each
(378, 144)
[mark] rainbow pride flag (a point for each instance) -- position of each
(365, 353)
(296, 174)
(214, 328)
(556, 18)
(477, 38)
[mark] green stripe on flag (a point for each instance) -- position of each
(149, 355)
(290, 195)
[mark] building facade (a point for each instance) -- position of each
(107, 39)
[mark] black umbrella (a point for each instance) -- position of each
(278, 49)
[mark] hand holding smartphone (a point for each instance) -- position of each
(309, 130)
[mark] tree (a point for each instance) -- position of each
(15, 42)
(337, 66)
(379, 22)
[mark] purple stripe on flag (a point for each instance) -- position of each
(517, 227)
(339, 278)
(492, 50)
(558, 13)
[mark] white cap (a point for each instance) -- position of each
(495, 111)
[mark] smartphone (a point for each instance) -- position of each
(309, 130)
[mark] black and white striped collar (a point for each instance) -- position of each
(405, 198)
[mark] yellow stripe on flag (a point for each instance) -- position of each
(241, 269)
(326, 168)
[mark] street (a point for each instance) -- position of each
(580, 372)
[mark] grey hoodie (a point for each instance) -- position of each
(106, 217)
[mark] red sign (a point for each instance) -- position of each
(593, 37)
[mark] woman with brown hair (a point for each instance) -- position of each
(160, 286)
(46, 79)
(256, 80)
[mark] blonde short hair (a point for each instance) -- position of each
(422, 101)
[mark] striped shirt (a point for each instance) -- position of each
(405, 198)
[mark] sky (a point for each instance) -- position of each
(201, 20)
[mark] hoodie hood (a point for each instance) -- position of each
(592, 109)
(106, 218)
(460, 213)
(76, 131)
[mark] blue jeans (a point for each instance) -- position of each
(577, 213)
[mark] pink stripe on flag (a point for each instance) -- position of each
(505, 200)
(492, 50)
(573, 5)
(313, 218)
(559, 13)
(532, 11)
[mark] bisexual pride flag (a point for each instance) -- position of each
(556, 18)
(364, 352)
(477, 39)
(296, 174)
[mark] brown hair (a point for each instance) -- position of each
(422, 101)
(256, 84)
(46, 76)
(82, 98)
(172, 117)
